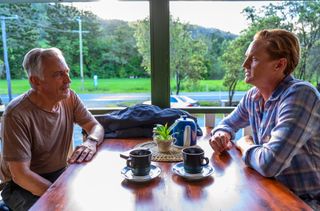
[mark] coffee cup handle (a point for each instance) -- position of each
(206, 161)
(129, 162)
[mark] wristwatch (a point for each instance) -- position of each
(92, 138)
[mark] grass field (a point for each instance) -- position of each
(140, 85)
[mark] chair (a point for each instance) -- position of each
(1, 135)
(3, 206)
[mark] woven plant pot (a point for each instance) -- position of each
(164, 146)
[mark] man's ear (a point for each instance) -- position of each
(34, 81)
(281, 64)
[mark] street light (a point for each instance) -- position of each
(5, 52)
(80, 49)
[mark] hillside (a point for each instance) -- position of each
(208, 32)
(196, 30)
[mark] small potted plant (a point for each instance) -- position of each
(162, 136)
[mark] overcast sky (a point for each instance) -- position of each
(222, 15)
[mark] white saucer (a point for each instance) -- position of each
(154, 172)
(179, 170)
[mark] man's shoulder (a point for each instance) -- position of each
(72, 98)
(72, 103)
(17, 105)
(302, 86)
(300, 92)
(73, 93)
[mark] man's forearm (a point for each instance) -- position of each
(98, 132)
(32, 182)
(244, 143)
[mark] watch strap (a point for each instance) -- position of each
(92, 138)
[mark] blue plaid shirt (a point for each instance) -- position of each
(286, 134)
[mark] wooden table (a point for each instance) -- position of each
(98, 185)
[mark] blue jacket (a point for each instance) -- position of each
(139, 121)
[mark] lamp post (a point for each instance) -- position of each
(80, 50)
(5, 52)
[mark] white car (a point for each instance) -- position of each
(179, 101)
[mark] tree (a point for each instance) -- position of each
(301, 17)
(314, 62)
(142, 35)
(216, 41)
(109, 47)
(306, 23)
(22, 35)
(232, 62)
(217, 46)
(123, 53)
(187, 55)
(61, 31)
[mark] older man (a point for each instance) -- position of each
(38, 127)
(284, 115)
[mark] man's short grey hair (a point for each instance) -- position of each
(32, 62)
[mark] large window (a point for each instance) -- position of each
(208, 40)
(120, 56)
(201, 33)
(98, 39)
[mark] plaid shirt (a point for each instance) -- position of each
(286, 134)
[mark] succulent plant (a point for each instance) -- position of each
(162, 133)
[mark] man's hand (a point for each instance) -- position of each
(244, 143)
(84, 152)
(220, 141)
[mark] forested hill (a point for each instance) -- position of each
(120, 49)
(198, 31)
(109, 46)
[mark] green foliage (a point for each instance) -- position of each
(120, 57)
(109, 47)
(301, 17)
(162, 133)
(22, 34)
(117, 49)
(313, 62)
(305, 21)
(216, 47)
(187, 54)
(232, 62)
(142, 35)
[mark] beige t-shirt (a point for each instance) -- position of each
(41, 137)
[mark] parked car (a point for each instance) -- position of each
(179, 101)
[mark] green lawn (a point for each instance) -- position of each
(122, 86)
